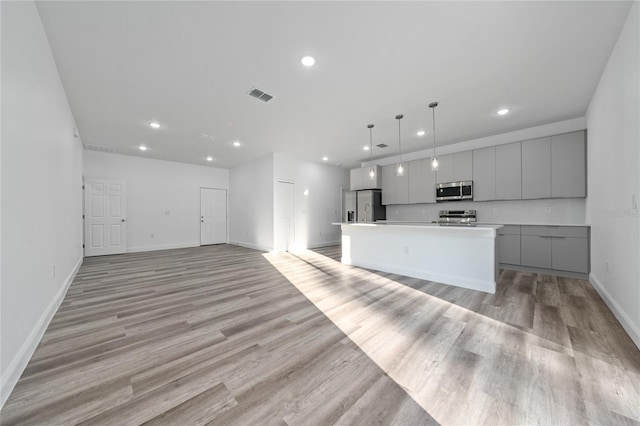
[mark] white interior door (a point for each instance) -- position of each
(213, 216)
(105, 223)
(285, 216)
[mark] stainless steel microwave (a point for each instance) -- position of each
(454, 191)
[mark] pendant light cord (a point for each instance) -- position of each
(399, 117)
(433, 110)
(370, 126)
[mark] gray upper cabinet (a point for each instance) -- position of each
(509, 172)
(462, 166)
(568, 165)
(484, 174)
(445, 169)
(359, 179)
(536, 168)
(455, 167)
(548, 167)
(395, 189)
(422, 182)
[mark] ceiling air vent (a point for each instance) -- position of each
(206, 138)
(100, 148)
(259, 94)
(382, 145)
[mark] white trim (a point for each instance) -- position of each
(250, 245)
(626, 322)
(480, 285)
(324, 244)
(19, 362)
(161, 247)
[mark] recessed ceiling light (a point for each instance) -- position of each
(154, 125)
(421, 133)
(209, 158)
(308, 61)
(366, 147)
(142, 147)
(325, 158)
(236, 144)
(503, 111)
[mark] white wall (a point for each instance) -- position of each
(163, 197)
(41, 189)
(613, 120)
(316, 210)
(251, 204)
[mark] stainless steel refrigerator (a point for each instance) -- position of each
(369, 206)
(350, 207)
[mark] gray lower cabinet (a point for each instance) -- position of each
(568, 165)
(509, 171)
(395, 189)
(536, 168)
(484, 174)
(535, 251)
(557, 248)
(570, 254)
(422, 182)
(509, 244)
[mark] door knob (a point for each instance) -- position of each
(123, 220)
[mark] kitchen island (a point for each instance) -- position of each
(464, 256)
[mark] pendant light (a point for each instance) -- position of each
(372, 169)
(400, 169)
(435, 164)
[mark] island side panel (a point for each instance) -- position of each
(464, 257)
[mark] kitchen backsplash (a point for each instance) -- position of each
(563, 211)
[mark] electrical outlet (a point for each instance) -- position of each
(606, 266)
(153, 236)
(406, 250)
(53, 273)
(547, 210)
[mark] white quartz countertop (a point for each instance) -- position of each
(399, 222)
(477, 227)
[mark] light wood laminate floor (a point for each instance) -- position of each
(228, 335)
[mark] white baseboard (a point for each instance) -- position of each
(250, 245)
(324, 244)
(161, 247)
(480, 285)
(632, 329)
(21, 359)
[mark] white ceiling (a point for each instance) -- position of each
(189, 65)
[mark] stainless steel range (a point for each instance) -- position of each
(457, 217)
